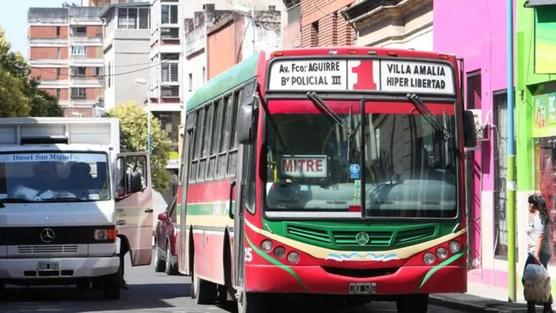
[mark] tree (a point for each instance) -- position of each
(133, 133)
(20, 96)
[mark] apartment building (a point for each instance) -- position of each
(65, 54)
(165, 92)
(126, 53)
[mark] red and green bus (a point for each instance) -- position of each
(326, 171)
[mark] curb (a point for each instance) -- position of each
(463, 306)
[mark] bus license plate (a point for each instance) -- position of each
(48, 266)
(362, 288)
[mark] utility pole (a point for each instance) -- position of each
(511, 185)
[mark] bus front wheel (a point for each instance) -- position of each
(250, 303)
(417, 303)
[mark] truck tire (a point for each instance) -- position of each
(170, 268)
(112, 286)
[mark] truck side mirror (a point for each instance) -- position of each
(469, 132)
(245, 122)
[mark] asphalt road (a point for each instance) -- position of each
(155, 292)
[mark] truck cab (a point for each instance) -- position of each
(70, 204)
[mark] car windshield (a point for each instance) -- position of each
(53, 177)
(313, 165)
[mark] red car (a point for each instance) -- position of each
(165, 253)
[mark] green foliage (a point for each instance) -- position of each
(133, 129)
(20, 96)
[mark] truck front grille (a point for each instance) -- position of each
(40, 249)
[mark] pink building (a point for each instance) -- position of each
(475, 31)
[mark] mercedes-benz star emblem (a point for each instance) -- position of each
(362, 238)
(47, 235)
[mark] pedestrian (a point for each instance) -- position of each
(539, 247)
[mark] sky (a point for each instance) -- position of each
(13, 19)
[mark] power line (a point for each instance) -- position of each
(100, 76)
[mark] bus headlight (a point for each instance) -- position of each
(266, 245)
(428, 258)
(293, 257)
(441, 253)
(280, 252)
(454, 246)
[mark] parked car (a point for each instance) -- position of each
(165, 253)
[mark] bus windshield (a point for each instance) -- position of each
(53, 177)
(314, 167)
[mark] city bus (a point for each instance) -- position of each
(326, 171)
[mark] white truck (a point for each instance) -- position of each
(70, 203)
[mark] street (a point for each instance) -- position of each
(156, 292)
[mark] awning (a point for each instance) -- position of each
(538, 3)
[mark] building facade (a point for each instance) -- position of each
(126, 53)
(165, 99)
(482, 45)
(392, 23)
(535, 116)
(65, 55)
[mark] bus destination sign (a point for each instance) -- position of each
(361, 75)
(313, 166)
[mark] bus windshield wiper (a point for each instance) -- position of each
(427, 114)
(317, 101)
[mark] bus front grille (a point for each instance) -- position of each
(40, 249)
(415, 235)
(307, 233)
(374, 239)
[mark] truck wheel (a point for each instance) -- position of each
(250, 303)
(112, 286)
(159, 264)
(204, 292)
(170, 268)
(417, 303)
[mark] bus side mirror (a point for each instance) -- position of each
(245, 122)
(469, 134)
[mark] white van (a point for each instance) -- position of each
(70, 203)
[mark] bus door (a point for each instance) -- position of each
(183, 242)
(245, 187)
(134, 205)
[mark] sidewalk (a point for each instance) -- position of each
(481, 298)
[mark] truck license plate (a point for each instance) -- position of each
(48, 266)
(362, 288)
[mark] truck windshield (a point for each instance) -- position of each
(409, 167)
(53, 176)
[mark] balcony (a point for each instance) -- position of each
(48, 42)
(195, 41)
(97, 41)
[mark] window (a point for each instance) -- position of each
(293, 14)
(58, 93)
(57, 31)
(190, 82)
(78, 93)
(98, 71)
(58, 52)
(170, 91)
(78, 50)
(170, 33)
(78, 71)
(208, 130)
(133, 18)
(501, 171)
(170, 72)
(169, 14)
(79, 31)
(58, 73)
(315, 34)
(131, 175)
(109, 74)
(203, 78)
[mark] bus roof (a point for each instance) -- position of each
(228, 80)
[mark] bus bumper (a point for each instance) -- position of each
(315, 280)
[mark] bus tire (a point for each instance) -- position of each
(250, 303)
(170, 268)
(112, 286)
(417, 303)
(204, 292)
(159, 264)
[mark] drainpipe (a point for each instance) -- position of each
(511, 185)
